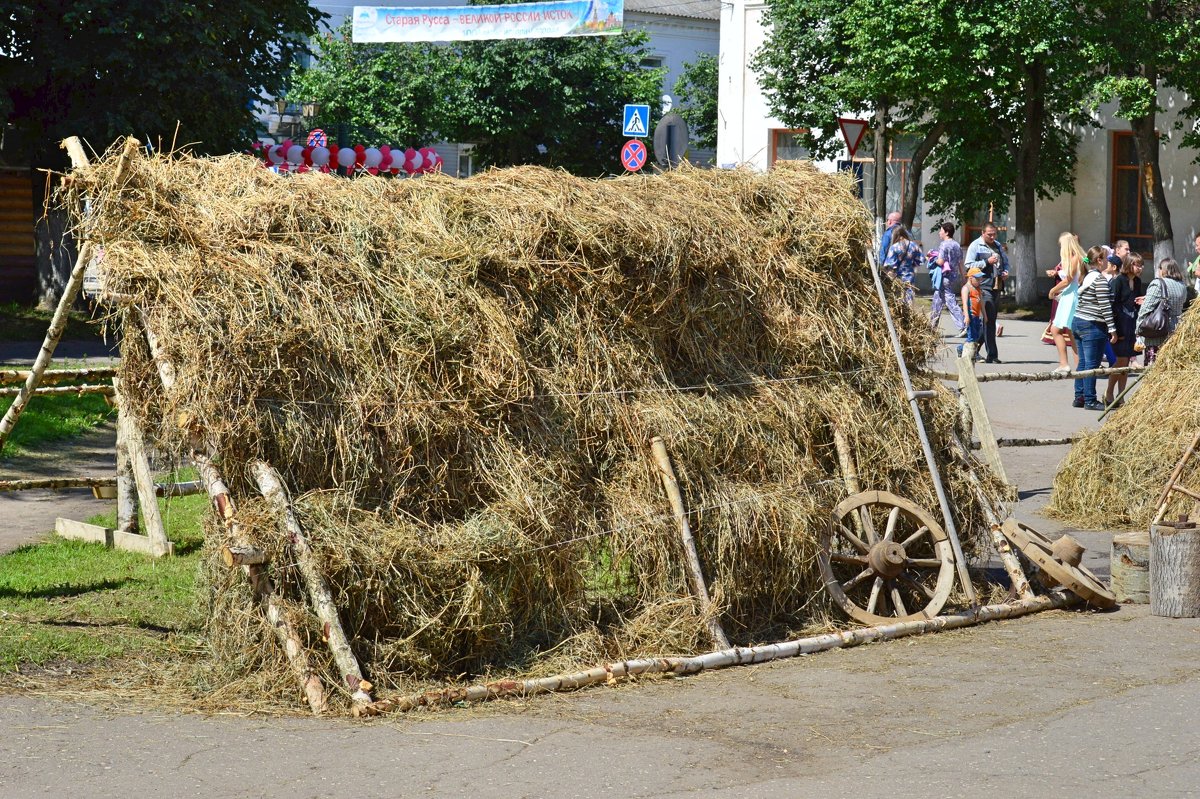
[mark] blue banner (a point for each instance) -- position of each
(476, 23)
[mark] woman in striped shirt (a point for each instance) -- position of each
(1093, 327)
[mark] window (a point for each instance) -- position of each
(466, 162)
(973, 228)
(652, 62)
(786, 146)
(1130, 218)
(898, 165)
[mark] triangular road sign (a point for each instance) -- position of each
(852, 132)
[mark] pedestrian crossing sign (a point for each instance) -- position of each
(637, 120)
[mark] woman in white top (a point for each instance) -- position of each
(1070, 272)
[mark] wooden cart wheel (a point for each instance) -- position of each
(1074, 577)
(884, 559)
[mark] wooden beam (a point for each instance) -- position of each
(134, 443)
(969, 387)
(114, 539)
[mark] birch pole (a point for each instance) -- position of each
(692, 557)
(58, 322)
(271, 486)
(129, 437)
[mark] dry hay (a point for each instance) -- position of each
(1112, 478)
(458, 380)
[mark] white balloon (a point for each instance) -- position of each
(372, 157)
(275, 154)
(346, 156)
(416, 162)
(295, 154)
(320, 156)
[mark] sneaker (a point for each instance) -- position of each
(993, 360)
(1062, 370)
(1077, 403)
(1095, 406)
(962, 331)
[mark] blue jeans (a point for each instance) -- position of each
(1090, 338)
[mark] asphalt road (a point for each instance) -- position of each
(1061, 703)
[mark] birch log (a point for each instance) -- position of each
(271, 486)
(262, 587)
(734, 656)
(59, 390)
(1038, 377)
(127, 503)
(139, 463)
(1174, 571)
(58, 322)
(51, 376)
(695, 571)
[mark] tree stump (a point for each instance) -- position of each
(1130, 568)
(1175, 570)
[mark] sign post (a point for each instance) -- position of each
(852, 132)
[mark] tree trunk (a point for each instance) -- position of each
(1146, 140)
(881, 148)
(1174, 571)
(1022, 253)
(912, 183)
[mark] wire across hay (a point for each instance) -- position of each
(1111, 479)
(458, 380)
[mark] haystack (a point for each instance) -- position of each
(1112, 478)
(458, 381)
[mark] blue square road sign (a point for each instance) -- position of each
(637, 121)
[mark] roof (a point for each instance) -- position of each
(696, 9)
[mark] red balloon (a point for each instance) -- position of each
(306, 156)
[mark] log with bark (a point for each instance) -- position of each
(59, 390)
(54, 376)
(1175, 570)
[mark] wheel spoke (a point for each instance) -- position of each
(874, 594)
(924, 563)
(897, 602)
(849, 584)
(858, 543)
(924, 589)
(865, 514)
(912, 538)
(856, 560)
(889, 532)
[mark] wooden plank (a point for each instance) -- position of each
(135, 445)
(82, 531)
(969, 387)
(114, 539)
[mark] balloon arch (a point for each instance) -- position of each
(291, 156)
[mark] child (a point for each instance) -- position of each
(972, 300)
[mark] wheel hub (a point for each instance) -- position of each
(887, 558)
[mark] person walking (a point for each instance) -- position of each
(903, 257)
(989, 257)
(945, 272)
(1167, 287)
(1126, 289)
(972, 300)
(1092, 327)
(1065, 295)
(885, 242)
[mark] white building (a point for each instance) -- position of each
(1106, 204)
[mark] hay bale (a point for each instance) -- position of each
(458, 380)
(1111, 478)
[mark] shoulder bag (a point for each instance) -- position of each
(1157, 323)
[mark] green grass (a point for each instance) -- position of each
(50, 418)
(20, 323)
(72, 602)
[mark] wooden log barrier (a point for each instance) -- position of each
(59, 390)
(271, 486)
(55, 376)
(1129, 567)
(1175, 570)
(1038, 377)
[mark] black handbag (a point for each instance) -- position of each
(1157, 323)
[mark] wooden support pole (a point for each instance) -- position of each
(58, 322)
(846, 461)
(1008, 558)
(127, 501)
(691, 556)
(272, 488)
(969, 386)
(734, 656)
(1164, 499)
(135, 445)
(262, 587)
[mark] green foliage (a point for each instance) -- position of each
(101, 70)
(512, 99)
(70, 601)
(696, 91)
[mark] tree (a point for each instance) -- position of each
(696, 91)
(1133, 76)
(101, 70)
(554, 102)
(830, 58)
